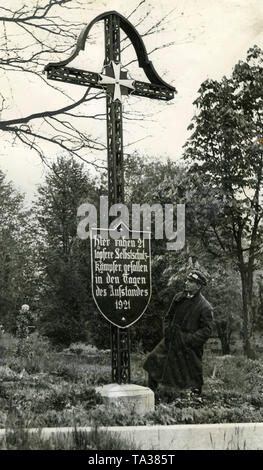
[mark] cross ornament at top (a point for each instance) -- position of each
(116, 80)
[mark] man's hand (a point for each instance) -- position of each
(176, 329)
(187, 338)
(175, 334)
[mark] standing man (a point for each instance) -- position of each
(176, 361)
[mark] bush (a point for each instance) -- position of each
(34, 352)
(8, 345)
(241, 374)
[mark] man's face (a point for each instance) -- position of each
(191, 287)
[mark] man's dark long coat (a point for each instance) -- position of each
(177, 360)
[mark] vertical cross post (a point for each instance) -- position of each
(120, 338)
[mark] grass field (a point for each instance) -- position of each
(40, 387)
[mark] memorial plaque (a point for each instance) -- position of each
(121, 276)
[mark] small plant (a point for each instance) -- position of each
(8, 345)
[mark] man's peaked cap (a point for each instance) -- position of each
(197, 276)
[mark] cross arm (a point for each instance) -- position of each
(72, 75)
(82, 77)
(150, 90)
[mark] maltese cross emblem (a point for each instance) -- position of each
(116, 80)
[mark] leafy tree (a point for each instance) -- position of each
(226, 163)
(161, 183)
(18, 276)
(65, 300)
(168, 182)
(224, 293)
(66, 186)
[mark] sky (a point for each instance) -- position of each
(209, 37)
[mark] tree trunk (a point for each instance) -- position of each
(225, 345)
(223, 335)
(248, 339)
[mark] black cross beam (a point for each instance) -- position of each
(115, 82)
(92, 79)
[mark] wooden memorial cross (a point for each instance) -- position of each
(116, 84)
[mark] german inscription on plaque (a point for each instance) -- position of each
(121, 276)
